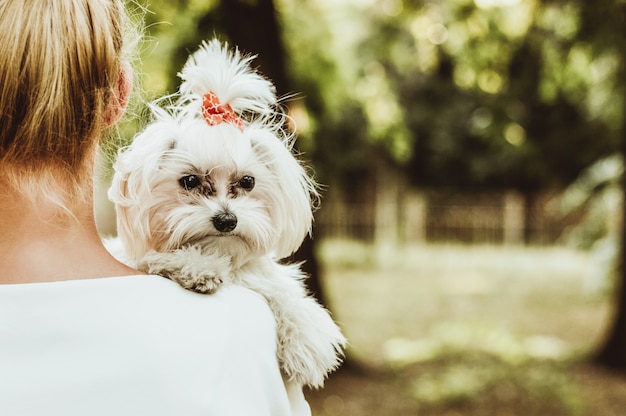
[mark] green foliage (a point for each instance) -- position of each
(483, 93)
(172, 25)
(456, 93)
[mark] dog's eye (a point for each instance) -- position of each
(247, 183)
(189, 182)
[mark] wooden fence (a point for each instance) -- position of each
(440, 216)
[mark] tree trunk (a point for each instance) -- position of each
(613, 352)
(253, 26)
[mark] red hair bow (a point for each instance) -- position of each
(216, 113)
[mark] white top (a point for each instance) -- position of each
(139, 345)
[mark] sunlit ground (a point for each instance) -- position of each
(453, 330)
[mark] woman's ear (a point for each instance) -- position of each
(119, 99)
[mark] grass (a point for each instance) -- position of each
(455, 330)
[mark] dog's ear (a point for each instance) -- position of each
(136, 167)
(293, 191)
(132, 227)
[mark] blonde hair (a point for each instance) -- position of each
(59, 66)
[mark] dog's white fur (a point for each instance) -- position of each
(167, 228)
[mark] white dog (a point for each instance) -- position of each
(210, 192)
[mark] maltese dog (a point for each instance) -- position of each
(210, 193)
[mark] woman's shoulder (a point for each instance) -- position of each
(159, 289)
(215, 354)
(151, 286)
(143, 302)
(231, 306)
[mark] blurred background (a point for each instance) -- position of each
(470, 231)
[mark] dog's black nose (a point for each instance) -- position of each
(225, 222)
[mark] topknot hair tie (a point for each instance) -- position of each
(216, 113)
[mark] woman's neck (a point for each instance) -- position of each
(39, 245)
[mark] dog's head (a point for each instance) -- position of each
(201, 174)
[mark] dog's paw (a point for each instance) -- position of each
(188, 267)
(207, 284)
(310, 346)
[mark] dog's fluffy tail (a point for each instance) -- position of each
(229, 75)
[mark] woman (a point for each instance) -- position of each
(80, 333)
